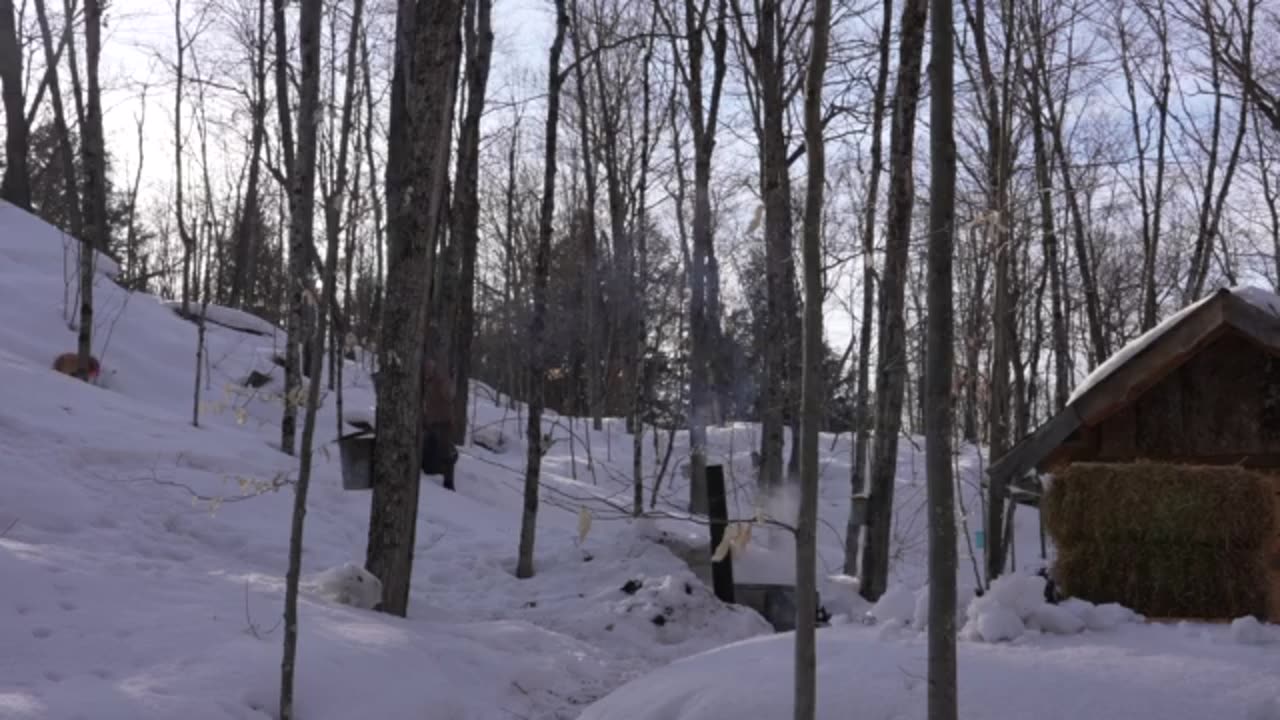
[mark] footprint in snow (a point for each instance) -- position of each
(41, 633)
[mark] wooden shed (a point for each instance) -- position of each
(1202, 388)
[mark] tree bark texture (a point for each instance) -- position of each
(423, 86)
(938, 374)
(16, 186)
(542, 262)
(862, 421)
(93, 149)
(806, 681)
(465, 232)
(891, 367)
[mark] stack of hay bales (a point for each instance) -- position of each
(1166, 540)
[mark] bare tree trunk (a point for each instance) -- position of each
(998, 223)
(1100, 348)
(283, 113)
(466, 212)
(542, 262)
(1214, 201)
(66, 154)
(190, 280)
(93, 149)
(975, 333)
(938, 375)
(1149, 308)
(590, 263)
(634, 316)
(862, 433)
(806, 681)
(300, 160)
(690, 65)
(1044, 187)
(767, 61)
(1146, 197)
(310, 40)
(204, 229)
(375, 201)
(136, 278)
(428, 48)
(73, 65)
(333, 200)
(1270, 195)
(243, 276)
(16, 186)
(891, 367)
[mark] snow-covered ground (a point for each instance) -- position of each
(142, 559)
(1133, 671)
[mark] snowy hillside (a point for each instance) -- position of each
(142, 559)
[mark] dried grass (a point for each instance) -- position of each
(1172, 581)
(1147, 502)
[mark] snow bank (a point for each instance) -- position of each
(1016, 604)
(229, 318)
(1248, 631)
(348, 584)
(490, 438)
(896, 604)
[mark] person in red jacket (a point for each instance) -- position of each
(438, 452)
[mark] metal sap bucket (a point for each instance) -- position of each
(356, 450)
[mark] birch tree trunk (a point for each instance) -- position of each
(296, 268)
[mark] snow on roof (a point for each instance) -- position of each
(1258, 297)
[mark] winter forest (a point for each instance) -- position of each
(872, 220)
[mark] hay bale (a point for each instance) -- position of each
(1147, 502)
(1167, 580)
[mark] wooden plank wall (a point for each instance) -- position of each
(1222, 406)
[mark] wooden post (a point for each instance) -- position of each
(718, 512)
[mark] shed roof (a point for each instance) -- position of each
(1143, 362)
